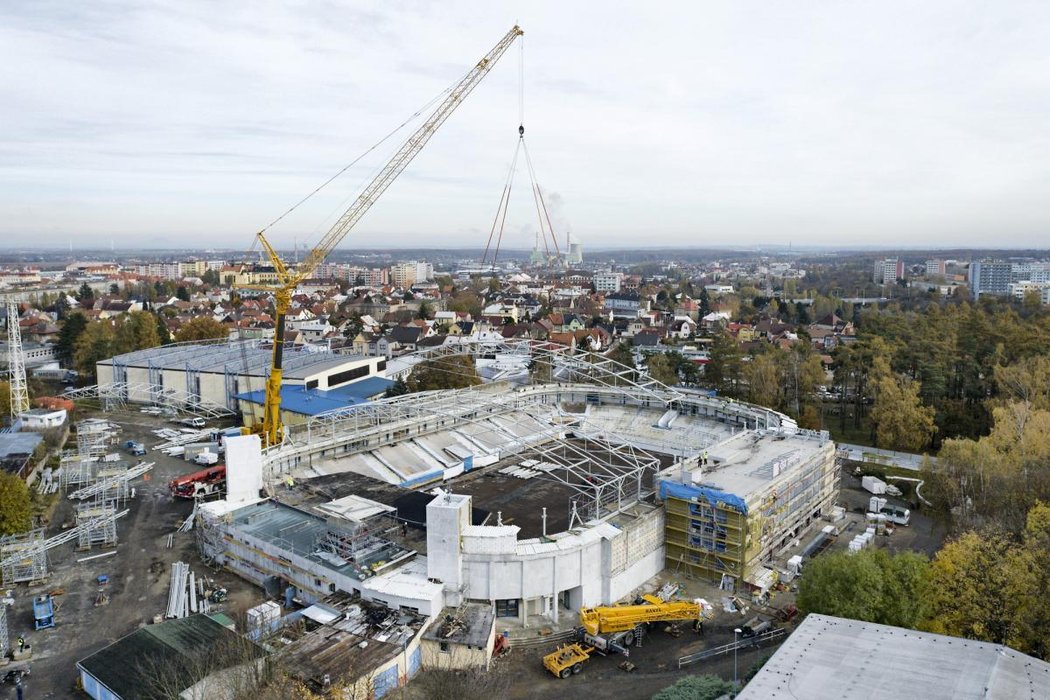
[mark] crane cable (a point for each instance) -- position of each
(415, 115)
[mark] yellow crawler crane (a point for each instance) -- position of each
(615, 628)
(288, 277)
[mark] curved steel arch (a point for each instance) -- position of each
(120, 394)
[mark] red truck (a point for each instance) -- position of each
(200, 483)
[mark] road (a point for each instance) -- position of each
(889, 458)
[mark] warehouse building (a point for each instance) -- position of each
(828, 658)
(217, 374)
(758, 493)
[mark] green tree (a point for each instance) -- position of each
(398, 388)
(424, 310)
(182, 293)
(843, 584)
(706, 687)
(210, 278)
(86, 295)
(724, 369)
(68, 335)
(662, 368)
(201, 328)
(163, 334)
(114, 289)
(451, 372)
(16, 511)
(5, 401)
(95, 344)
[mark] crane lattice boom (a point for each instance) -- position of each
(288, 278)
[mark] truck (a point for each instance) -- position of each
(898, 515)
(206, 458)
(615, 628)
(194, 422)
(200, 483)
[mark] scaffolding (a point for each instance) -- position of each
(5, 641)
(113, 484)
(24, 557)
(104, 533)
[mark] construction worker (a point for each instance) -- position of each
(21, 644)
(703, 458)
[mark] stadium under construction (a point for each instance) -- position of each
(537, 498)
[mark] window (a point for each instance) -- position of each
(381, 365)
(347, 376)
(312, 384)
(444, 647)
(507, 607)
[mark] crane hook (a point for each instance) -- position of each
(521, 131)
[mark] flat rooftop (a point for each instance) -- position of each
(750, 461)
(244, 357)
(830, 658)
(300, 532)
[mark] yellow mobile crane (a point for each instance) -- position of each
(289, 277)
(614, 628)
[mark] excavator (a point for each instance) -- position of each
(288, 277)
(614, 628)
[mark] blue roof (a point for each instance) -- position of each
(17, 444)
(311, 402)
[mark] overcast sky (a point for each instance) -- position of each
(174, 122)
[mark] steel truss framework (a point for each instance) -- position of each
(116, 396)
(24, 557)
(605, 480)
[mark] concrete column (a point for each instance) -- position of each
(554, 587)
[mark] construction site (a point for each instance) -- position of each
(517, 512)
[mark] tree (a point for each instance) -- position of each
(900, 419)
(86, 295)
(181, 293)
(424, 310)
(724, 369)
(210, 278)
(114, 289)
(162, 330)
(352, 326)
(94, 345)
(16, 510)
(5, 401)
(398, 388)
(201, 328)
(970, 591)
(763, 380)
(452, 372)
(68, 335)
(662, 368)
(869, 585)
(706, 687)
(136, 331)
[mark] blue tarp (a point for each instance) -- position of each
(713, 496)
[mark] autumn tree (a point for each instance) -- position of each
(16, 511)
(136, 331)
(900, 419)
(970, 591)
(201, 328)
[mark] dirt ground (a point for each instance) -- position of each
(139, 575)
